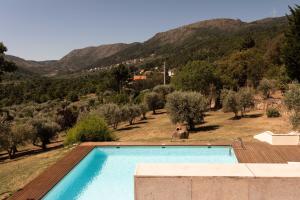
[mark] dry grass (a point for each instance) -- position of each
(218, 126)
(17, 173)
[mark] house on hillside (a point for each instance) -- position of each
(139, 77)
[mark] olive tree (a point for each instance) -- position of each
(187, 107)
(230, 102)
(292, 101)
(111, 113)
(266, 86)
(152, 100)
(144, 109)
(130, 112)
(246, 99)
(43, 132)
(66, 117)
(163, 90)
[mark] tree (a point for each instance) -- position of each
(130, 112)
(144, 109)
(152, 100)
(196, 76)
(90, 128)
(230, 102)
(247, 43)
(291, 50)
(111, 113)
(187, 107)
(66, 117)
(5, 66)
(121, 75)
(241, 68)
(246, 99)
(163, 90)
(292, 101)
(43, 132)
(266, 86)
(72, 96)
(12, 136)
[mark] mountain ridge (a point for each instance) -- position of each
(190, 37)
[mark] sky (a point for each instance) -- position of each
(49, 29)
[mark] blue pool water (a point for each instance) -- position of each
(107, 173)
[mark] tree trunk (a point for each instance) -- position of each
(153, 112)
(191, 124)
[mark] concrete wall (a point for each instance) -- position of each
(278, 139)
(217, 182)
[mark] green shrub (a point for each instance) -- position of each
(91, 128)
(273, 112)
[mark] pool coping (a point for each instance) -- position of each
(41, 185)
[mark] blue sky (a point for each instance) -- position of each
(49, 29)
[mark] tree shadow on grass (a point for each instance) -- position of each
(128, 128)
(205, 128)
(253, 115)
(141, 122)
(28, 152)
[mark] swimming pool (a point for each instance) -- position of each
(106, 173)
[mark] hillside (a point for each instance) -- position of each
(209, 39)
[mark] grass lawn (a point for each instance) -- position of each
(17, 173)
(218, 126)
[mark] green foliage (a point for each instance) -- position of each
(266, 87)
(72, 97)
(43, 131)
(230, 102)
(292, 101)
(272, 112)
(12, 136)
(66, 117)
(291, 51)
(111, 113)
(90, 128)
(292, 98)
(120, 74)
(196, 76)
(144, 109)
(5, 66)
(295, 121)
(241, 68)
(187, 107)
(163, 91)
(247, 43)
(153, 101)
(130, 112)
(246, 99)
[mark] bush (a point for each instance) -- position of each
(272, 112)
(295, 121)
(91, 128)
(187, 107)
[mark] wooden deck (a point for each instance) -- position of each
(253, 152)
(258, 152)
(37, 188)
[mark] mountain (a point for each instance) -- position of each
(209, 39)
